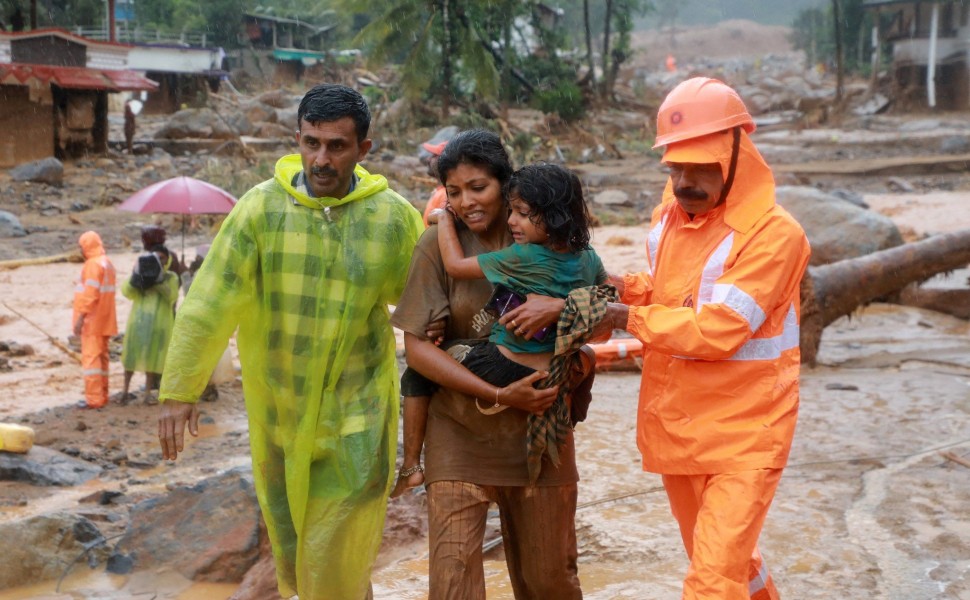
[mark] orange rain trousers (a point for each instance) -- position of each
(720, 518)
(94, 366)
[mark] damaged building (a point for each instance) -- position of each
(54, 90)
(930, 42)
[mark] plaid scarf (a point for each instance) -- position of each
(585, 308)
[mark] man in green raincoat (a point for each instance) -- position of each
(305, 266)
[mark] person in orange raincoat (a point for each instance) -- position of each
(94, 318)
(717, 309)
(438, 196)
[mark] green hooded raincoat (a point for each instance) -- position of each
(149, 327)
(307, 281)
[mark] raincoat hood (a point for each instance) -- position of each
(753, 191)
(290, 165)
(91, 244)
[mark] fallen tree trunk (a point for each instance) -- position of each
(951, 302)
(73, 256)
(835, 290)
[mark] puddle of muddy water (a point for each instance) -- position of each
(86, 584)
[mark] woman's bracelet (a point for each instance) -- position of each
(410, 471)
(497, 390)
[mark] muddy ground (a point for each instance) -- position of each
(868, 508)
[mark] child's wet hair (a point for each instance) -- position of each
(555, 196)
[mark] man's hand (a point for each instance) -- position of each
(616, 281)
(538, 312)
(171, 426)
(617, 317)
(520, 394)
(78, 325)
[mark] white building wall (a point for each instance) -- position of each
(112, 59)
(174, 60)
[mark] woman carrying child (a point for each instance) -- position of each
(474, 456)
(150, 324)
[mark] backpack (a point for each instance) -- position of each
(147, 272)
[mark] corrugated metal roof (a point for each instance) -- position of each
(75, 77)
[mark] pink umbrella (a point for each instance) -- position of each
(180, 195)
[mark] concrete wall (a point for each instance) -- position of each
(26, 126)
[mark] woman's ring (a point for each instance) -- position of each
(514, 324)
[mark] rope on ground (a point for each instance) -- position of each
(87, 548)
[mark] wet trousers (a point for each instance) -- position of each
(538, 532)
(720, 518)
(94, 367)
(331, 557)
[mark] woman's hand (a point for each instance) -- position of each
(520, 394)
(435, 330)
(537, 312)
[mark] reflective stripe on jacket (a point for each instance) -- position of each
(718, 312)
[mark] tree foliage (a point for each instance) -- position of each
(509, 51)
(814, 31)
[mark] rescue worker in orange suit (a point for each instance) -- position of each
(717, 309)
(438, 196)
(94, 318)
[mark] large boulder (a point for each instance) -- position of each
(287, 117)
(836, 228)
(258, 112)
(278, 98)
(207, 532)
(42, 548)
(10, 225)
(201, 123)
(241, 123)
(43, 466)
(47, 170)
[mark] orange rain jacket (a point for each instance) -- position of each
(718, 312)
(94, 294)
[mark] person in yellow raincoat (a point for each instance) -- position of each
(94, 318)
(305, 266)
(717, 309)
(149, 326)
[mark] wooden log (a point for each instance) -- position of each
(951, 302)
(72, 256)
(53, 340)
(835, 290)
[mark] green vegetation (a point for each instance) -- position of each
(814, 31)
(470, 53)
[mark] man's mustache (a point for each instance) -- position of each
(690, 193)
(323, 171)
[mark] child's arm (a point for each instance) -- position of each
(452, 254)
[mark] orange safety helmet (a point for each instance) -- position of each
(698, 107)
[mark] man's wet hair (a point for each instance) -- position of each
(330, 102)
(555, 198)
(476, 147)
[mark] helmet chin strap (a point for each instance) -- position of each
(732, 169)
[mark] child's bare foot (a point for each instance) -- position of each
(408, 478)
